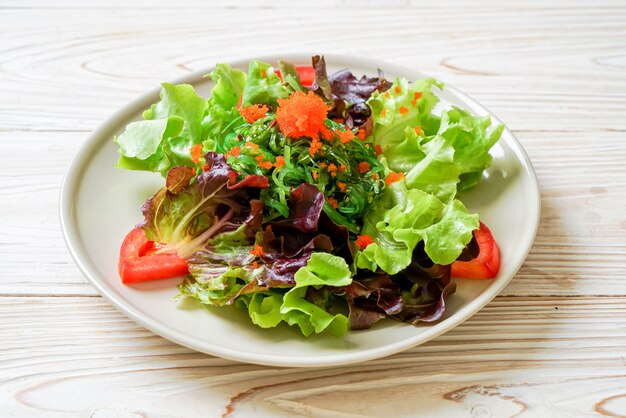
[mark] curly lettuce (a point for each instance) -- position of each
(292, 307)
(404, 217)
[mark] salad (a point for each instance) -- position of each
(327, 202)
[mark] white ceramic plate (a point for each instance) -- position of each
(100, 204)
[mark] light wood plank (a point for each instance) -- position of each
(535, 77)
(462, 6)
(547, 357)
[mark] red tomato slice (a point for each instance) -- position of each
(139, 261)
(307, 75)
(306, 72)
(487, 264)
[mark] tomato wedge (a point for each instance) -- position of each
(306, 72)
(140, 261)
(487, 264)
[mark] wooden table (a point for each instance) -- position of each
(553, 344)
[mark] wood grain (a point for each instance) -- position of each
(552, 345)
(548, 357)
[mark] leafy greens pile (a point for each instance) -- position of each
(328, 206)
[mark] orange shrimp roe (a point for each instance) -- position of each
(263, 164)
(403, 110)
(252, 146)
(327, 134)
(416, 97)
(345, 136)
(315, 146)
(196, 153)
(332, 169)
(301, 115)
(397, 90)
(263, 73)
(342, 186)
(323, 165)
(418, 130)
(361, 134)
(255, 265)
(375, 176)
(393, 177)
(234, 151)
(205, 167)
(378, 149)
(333, 202)
(339, 120)
(253, 113)
(342, 168)
(363, 241)
(315, 175)
(257, 251)
(364, 167)
(387, 95)
(280, 162)
(383, 113)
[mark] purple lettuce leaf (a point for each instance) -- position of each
(348, 93)
(288, 244)
(425, 286)
(372, 299)
(214, 203)
(305, 207)
(346, 86)
(417, 294)
(178, 178)
(321, 85)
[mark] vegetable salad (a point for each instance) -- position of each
(323, 201)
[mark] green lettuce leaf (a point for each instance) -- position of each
(393, 111)
(181, 100)
(290, 76)
(471, 137)
(215, 284)
(263, 85)
(403, 156)
(171, 127)
(264, 309)
(322, 269)
(228, 87)
(223, 116)
(403, 217)
(268, 309)
(143, 144)
(437, 172)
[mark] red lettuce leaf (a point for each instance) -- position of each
(305, 207)
(417, 294)
(178, 178)
(288, 244)
(348, 93)
(215, 203)
(346, 86)
(425, 286)
(372, 299)
(321, 85)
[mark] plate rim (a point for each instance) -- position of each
(97, 138)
